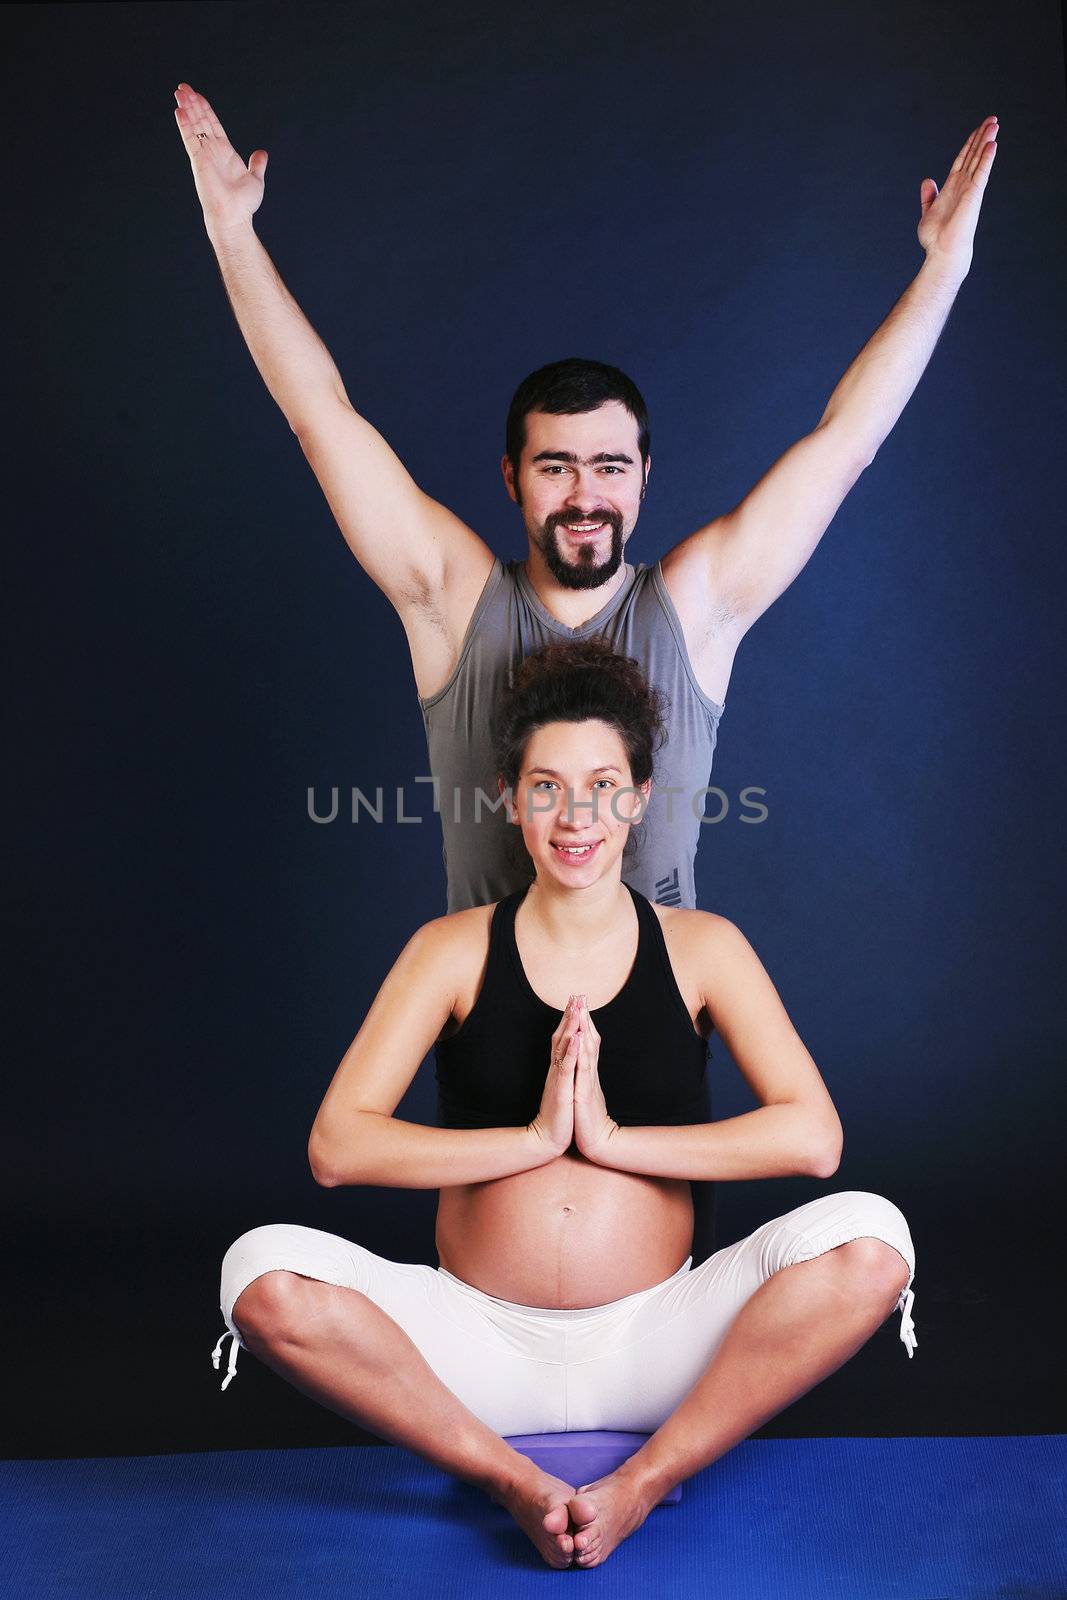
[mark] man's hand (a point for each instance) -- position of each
(229, 191)
(593, 1128)
(946, 231)
(725, 575)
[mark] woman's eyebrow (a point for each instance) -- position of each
(550, 773)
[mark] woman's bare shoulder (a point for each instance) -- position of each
(460, 936)
(698, 928)
(710, 949)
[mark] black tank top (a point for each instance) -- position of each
(491, 1072)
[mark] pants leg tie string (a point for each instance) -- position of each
(907, 1326)
(216, 1356)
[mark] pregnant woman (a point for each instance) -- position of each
(571, 1023)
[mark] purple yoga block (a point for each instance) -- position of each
(584, 1457)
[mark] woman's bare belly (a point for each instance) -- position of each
(565, 1235)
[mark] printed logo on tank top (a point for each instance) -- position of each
(668, 892)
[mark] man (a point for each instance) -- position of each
(577, 465)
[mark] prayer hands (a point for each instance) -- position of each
(593, 1128)
(946, 230)
(573, 1105)
(554, 1122)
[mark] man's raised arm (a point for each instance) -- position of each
(736, 566)
(408, 543)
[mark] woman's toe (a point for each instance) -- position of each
(556, 1520)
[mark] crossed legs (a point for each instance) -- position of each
(799, 1327)
(339, 1348)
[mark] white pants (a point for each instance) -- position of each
(526, 1369)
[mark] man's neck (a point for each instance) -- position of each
(572, 607)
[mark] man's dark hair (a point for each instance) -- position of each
(568, 387)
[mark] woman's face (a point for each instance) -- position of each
(576, 801)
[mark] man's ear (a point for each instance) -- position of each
(509, 478)
(648, 469)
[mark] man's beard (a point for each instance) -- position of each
(582, 571)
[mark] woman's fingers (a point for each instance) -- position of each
(576, 1034)
(589, 1027)
(567, 1037)
(563, 1023)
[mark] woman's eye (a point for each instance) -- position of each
(541, 782)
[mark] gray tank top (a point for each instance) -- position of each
(485, 858)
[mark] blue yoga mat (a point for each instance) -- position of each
(776, 1519)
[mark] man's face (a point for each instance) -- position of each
(580, 486)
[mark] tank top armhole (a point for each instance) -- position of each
(659, 586)
(492, 583)
(492, 957)
(660, 943)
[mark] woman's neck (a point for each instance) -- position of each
(577, 919)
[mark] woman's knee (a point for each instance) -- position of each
(271, 1267)
(881, 1230)
(270, 1305)
(879, 1267)
(852, 1216)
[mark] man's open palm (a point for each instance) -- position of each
(950, 218)
(228, 190)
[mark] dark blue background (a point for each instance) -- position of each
(722, 200)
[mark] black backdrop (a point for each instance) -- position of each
(721, 199)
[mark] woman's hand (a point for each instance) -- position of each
(229, 191)
(593, 1128)
(554, 1122)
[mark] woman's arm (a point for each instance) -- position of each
(355, 1139)
(409, 1155)
(796, 1129)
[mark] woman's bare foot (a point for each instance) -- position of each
(604, 1513)
(539, 1505)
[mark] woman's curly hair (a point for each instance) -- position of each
(574, 681)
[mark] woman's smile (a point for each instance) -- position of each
(575, 854)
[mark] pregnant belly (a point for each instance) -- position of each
(565, 1235)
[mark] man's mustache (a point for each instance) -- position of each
(561, 518)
